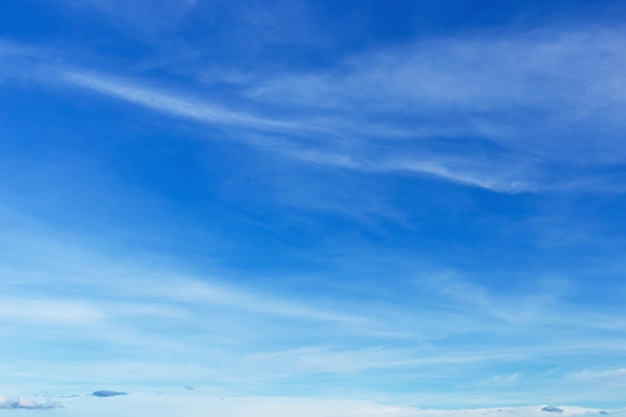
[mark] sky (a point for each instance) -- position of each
(314, 208)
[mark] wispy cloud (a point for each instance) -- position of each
(516, 91)
(501, 380)
(446, 167)
(471, 75)
(170, 103)
(49, 311)
(609, 377)
(506, 93)
(196, 291)
(264, 221)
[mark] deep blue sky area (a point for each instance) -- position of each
(312, 208)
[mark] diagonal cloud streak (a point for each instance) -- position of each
(170, 104)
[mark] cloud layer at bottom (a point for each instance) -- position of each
(198, 405)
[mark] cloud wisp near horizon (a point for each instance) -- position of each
(312, 208)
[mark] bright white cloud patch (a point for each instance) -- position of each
(27, 404)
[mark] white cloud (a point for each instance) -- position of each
(27, 404)
(171, 103)
(447, 168)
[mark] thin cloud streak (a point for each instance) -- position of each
(199, 292)
(168, 103)
(433, 166)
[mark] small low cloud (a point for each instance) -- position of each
(27, 404)
(550, 409)
(190, 388)
(107, 393)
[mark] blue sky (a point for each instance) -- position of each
(338, 208)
